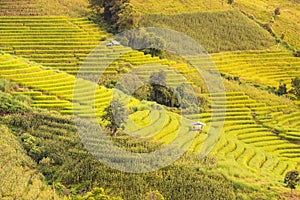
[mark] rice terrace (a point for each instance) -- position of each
(149, 100)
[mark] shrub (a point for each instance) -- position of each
(292, 179)
(8, 104)
(155, 195)
(277, 11)
(296, 87)
(297, 53)
(230, 2)
(97, 194)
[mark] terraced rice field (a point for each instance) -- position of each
(19, 8)
(246, 140)
(268, 68)
(53, 89)
(43, 8)
(58, 42)
(66, 43)
(245, 119)
(255, 136)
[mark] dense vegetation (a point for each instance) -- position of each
(218, 31)
(19, 177)
(119, 14)
(50, 140)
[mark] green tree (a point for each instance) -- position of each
(11, 104)
(115, 116)
(296, 87)
(292, 179)
(143, 93)
(159, 92)
(155, 45)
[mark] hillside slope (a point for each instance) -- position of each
(259, 142)
(242, 113)
(286, 23)
(176, 7)
(19, 176)
(215, 31)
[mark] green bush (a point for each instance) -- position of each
(7, 86)
(9, 104)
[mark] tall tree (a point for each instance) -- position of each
(97, 5)
(112, 9)
(115, 116)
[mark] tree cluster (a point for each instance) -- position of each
(143, 40)
(157, 90)
(120, 14)
(294, 92)
(282, 90)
